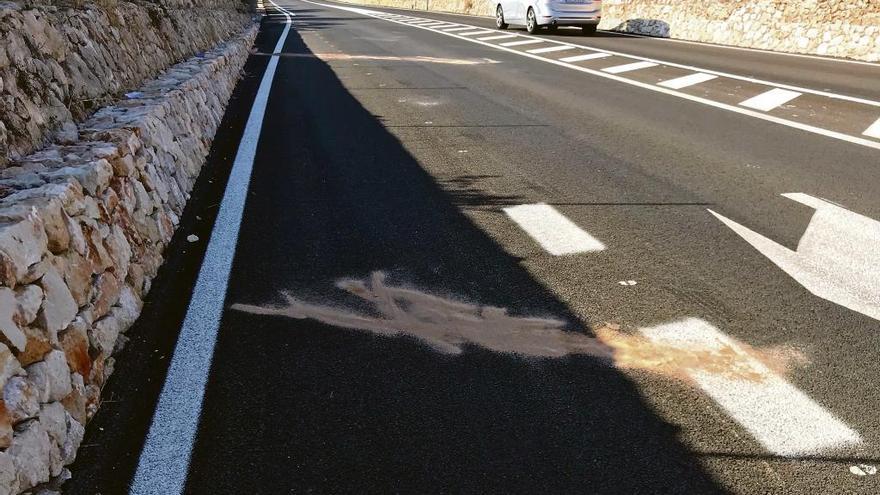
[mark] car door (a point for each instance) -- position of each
(511, 10)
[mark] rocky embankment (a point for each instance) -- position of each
(90, 196)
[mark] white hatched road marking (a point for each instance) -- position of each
(581, 58)
(164, 460)
(549, 49)
(470, 33)
(499, 37)
(619, 69)
(461, 28)
(523, 42)
(552, 230)
(874, 130)
(783, 419)
(687, 81)
(841, 136)
(771, 99)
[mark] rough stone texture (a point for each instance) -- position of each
(837, 28)
(83, 225)
(62, 60)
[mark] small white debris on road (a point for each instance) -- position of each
(863, 470)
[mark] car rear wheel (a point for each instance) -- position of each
(499, 18)
(531, 22)
(589, 29)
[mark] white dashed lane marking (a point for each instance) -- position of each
(874, 130)
(769, 100)
(619, 69)
(783, 419)
(523, 42)
(499, 37)
(588, 56)
(471, 33)
(549, 49)
(552, 230)
(687, 81)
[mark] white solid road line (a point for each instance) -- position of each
(769, 100)
(499, 37)
(874, 130)
(619, 69)
(581, 58)
(552, 230)
(687, 81)
(549, 49)
(783, 419)
(164, 460)
(523, 42)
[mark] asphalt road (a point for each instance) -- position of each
(742, 347)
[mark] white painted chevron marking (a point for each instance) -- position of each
(837, 258)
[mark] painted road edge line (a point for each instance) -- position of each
(164, 460)
(687, 81)
(551, 229)
(769, 100)
(653, 87)
(782, 418)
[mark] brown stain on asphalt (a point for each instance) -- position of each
(447, 325)
(336, 57)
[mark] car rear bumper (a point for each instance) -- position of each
(567, 21)
(569, 14)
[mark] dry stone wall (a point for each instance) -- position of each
(838, 28)
(83, 224)
(62, 60)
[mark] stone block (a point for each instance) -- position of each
(51, 377)
(21, 399)
(22, 243)
(59, 307)
(10, 330)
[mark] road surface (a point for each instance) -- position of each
(478, 261)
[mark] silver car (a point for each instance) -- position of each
(535, 14)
